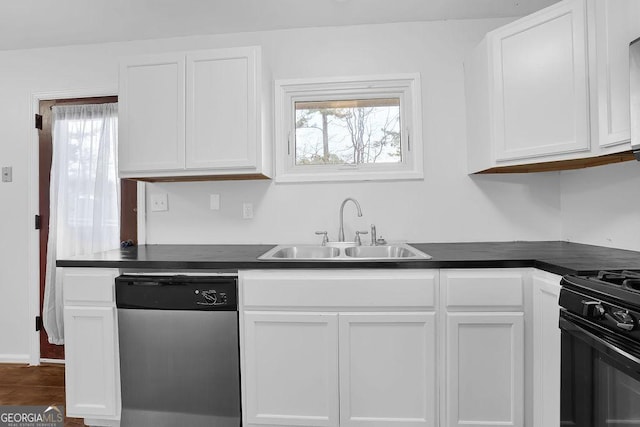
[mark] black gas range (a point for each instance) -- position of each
(600, 364)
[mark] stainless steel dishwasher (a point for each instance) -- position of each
(179, 354)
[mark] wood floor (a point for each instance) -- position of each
(34, 385)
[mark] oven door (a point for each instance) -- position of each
(600, 384)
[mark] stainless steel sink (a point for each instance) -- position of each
(389, 251)
(303, 252)
(344, 251)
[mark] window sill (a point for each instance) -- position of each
(348, 176)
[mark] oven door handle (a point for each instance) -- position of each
(577, 330)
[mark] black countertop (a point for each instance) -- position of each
(553, 256)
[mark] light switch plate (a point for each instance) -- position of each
(7, 174)
(159, 202)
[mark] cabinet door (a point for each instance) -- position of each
(387, 369)
(546, 351)
(151, 113)
(485, 369)
(290, 369)
(617, 23)
(222, 108)
(90, 376)
(540, 93)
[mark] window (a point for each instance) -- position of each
(365, 128)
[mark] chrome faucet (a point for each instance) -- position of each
(341, 230)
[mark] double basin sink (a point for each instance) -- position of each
(344, 251)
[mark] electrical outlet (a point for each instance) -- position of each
(7, 174)
(214, 202)
(247, 210)
(159, 202)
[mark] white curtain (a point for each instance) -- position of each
(85, 196)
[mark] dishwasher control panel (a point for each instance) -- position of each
(177, 292)
(211, 297)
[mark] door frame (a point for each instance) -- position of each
(33, 235)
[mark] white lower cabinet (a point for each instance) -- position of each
(357, 357)
(485, 373)
(92, 374)
(91, 381)
(361, 348)
(387, 371)
(546, 349)
(483, 347)
(291, 368)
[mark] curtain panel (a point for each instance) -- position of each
(84, 196)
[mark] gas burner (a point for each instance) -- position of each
(629, 280)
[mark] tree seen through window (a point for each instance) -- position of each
(348, 132)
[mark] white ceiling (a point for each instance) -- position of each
(42, 23)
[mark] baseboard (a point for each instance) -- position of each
(101, 422)
(54, 361)
(15, 358)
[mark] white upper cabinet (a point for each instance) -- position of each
(151, 114)
(617, 23)
(552, 86)
(222, 109)
(192, 114)
(540, 84)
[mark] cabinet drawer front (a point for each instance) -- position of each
(89, 286)
(482, 288)
(331, 288)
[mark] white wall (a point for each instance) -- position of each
(447, 206)
(600, 206)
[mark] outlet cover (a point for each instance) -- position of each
(7, 174)
(247, 210)
(214, 202)
(159, 202)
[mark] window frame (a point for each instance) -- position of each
(406, 87)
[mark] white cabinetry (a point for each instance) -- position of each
(617, 23)
(191, 114)
(92, 374)
(483, 347)
(540, 84)
(534, 86)
(291, 368)
(338, 348)
(151, 114)
(387, 363)
(527, 94)
(546, 348)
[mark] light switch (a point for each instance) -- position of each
(214, 202)
(7, 174)
(159, 202)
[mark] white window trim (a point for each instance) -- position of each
(404, 86)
